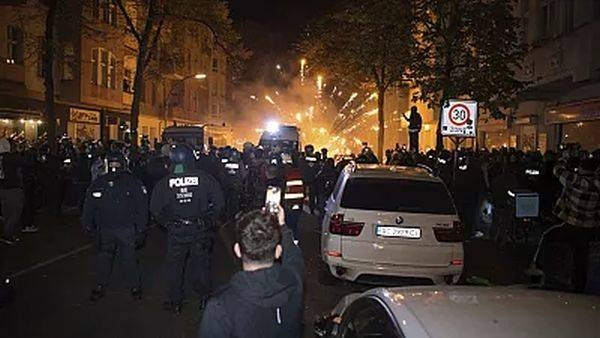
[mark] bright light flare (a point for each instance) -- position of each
(272, 127)
(268, 98)
(320, 82)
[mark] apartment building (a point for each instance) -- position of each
(94, 73)
(562, 102)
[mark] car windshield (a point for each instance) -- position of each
(390, 194)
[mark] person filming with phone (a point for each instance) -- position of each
(265, 298)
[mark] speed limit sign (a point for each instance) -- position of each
(459, 118)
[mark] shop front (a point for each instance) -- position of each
(577, 123)
(493, 134)
(150, 126)
(83, 124)
(525, 129)
(21, 117)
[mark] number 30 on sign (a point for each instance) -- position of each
(459, 118)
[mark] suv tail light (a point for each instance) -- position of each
(454, 234)
(339, 227)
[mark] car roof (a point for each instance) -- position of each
(387, 171)
(470, 311)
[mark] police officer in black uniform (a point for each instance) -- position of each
(116, 213)
(187, 202)
(235, 175)
(310, 167)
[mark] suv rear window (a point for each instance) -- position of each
(390, 194)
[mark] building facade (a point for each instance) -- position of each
(562, 104)
(94, 71)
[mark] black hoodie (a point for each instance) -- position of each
(263, 303)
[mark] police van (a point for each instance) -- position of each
(286, 137)
(199, 137)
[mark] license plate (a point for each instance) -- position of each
(402, 232)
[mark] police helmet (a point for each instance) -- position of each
(182, 154)
(116, 161)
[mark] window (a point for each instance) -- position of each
(14, 45)
(40, 57)
(409, 196)
(68, 72)
(569, 16)
(104, 64)
(128, 78)
(596, 9)
(367, 317)
(548, 19)
(153, 93)
(105, 11)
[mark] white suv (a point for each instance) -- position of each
(383, 221)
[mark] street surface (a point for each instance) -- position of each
(54, 284)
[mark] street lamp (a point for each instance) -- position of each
(199, 76)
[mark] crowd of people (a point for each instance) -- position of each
(116, 186)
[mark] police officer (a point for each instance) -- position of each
(310, 167)
(187, 202)
(235, 174)
(116, 213)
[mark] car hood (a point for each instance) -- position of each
(467, 311)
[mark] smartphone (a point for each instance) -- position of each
(273, 199)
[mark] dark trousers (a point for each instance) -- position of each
(292, 218)
(120, 244)
(11, 201)
(312, 197)
(189, 251)
(577, 239)
(28, 207)
(413, 140)
(233, 202)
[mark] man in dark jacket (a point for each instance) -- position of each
(115, 212)
(265, 299)
(11, 191)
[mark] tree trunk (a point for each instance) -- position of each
(48, 72)
(138, 83)
(439, 139)
(381, 120)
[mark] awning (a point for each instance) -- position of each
(576, 112)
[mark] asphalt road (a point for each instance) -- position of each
(54, 281)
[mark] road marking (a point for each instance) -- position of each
(50, 261)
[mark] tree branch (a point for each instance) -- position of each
(154, 42)
(130, 24)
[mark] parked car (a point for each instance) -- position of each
(390, 221)
(462, 312)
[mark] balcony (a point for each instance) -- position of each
(12, 72)
(127, 99)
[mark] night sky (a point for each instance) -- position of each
(284, 18)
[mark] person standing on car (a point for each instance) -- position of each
(11, 191)
(265, 299)
(415, 122)
(115, 212)
(187, 202)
